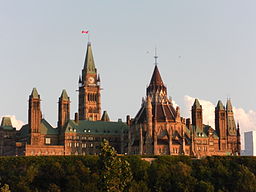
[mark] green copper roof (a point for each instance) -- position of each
(105, 116)
(203, 133)
(46, 128)
(196, 104)
(220, 105)
(89, 65)
(96, 127)
(34, 93)
(64, 95)
(24, 131)
(6, 123)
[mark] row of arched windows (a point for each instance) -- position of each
(92, 97)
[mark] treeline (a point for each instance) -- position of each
(108, 172)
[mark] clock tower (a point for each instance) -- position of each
(89, 90)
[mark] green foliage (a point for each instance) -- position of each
(109, 172)
(5, 188)
(115, 173)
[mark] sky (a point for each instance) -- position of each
(206, 50)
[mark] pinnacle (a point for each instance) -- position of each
(220, 105)
(64, 95)
(89, 65)
(156, 77)
(196, 104)
(105, 116)
(35, 94)
(229, 105)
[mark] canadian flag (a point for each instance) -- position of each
(86, 32)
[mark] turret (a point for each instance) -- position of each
(149, 116)
(64, 109)
(231, 125)
(34, 116)
(238, 139)
(221, 125)
(197, 116)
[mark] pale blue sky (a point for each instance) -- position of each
(206, 49)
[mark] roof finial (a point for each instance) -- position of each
(156, 56)
(89, 42)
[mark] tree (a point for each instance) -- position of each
(115, 173)
(245, 181)
(5, 188)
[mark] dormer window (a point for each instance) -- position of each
(47, 141)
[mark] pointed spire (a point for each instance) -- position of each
(89, 66)
(34, 94)
(6, 122)
(80, 79)
(196, 104)
(98, 78)
(105, 116)
(220, 106)
(229, 106)
(64, 95)
(156, 77)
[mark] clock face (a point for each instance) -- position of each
(91, 80)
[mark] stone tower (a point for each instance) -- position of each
(221, 125)
(231, 125)
(197, 115)
(89, 90)
(64, 109)
(34, 117)
(233, 134)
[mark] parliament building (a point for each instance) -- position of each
(157, 129)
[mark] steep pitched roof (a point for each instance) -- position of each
(89, 65)
(220, 106)
(204, 132)
(196, 104)
(34, 94)
(6, 123)
(46, 128)
(64, 95)
(156, 77)
(161, 112)
(105, 116)
(229, 105)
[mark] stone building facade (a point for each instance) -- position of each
(158, 128)
(80, 136)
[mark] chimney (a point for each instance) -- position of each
(128, 120)
(76, 118)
